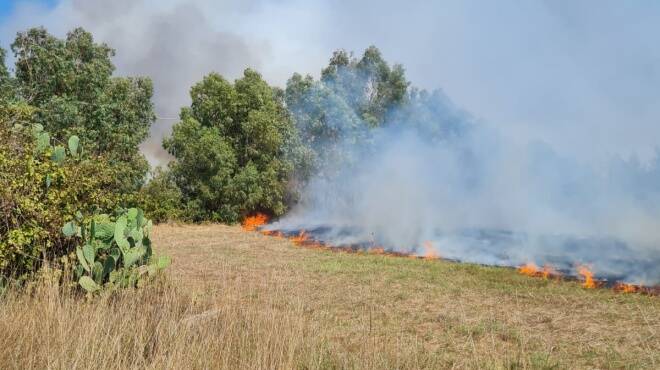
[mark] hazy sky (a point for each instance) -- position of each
(583, 76)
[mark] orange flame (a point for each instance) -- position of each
(429, 251)
(588, 276)
(529, 269)
(300, 239)
(303, 239)
(549, 271)
(273, 233)
(626, 288)
(252, 223)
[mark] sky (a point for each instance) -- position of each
(582, 77)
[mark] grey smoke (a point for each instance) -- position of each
(481, 198)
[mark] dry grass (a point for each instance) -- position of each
(242, 300)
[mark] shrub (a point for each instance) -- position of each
(114, 252)
(42, 186)
(161, 197)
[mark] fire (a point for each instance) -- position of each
(549, 271)
(377, 250)
(529, 269)
(588, 276)
(300, 239)
(429, 251)
(626, 288)
(252, 223)
(303, 239)
(273, 233)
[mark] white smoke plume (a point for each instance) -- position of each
(480, 197)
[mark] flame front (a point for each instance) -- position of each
(273, 233)
(429, 251)
(529, 269)
(300, 239)
(626, 288)
(304, 239)
(588, 276)
(549, 271)
(252, 223)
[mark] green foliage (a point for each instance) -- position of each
(235, 149)
(351, 93)
(353, 96)
(161, 198)
(368, 85)
(69, 83)
(113, 251)
(69, 136)
(4, 73)
(335, 115)
(5, 79)
(74, 144)
(41, 186)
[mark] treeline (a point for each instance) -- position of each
(241, 147)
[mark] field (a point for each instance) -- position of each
(235, 299)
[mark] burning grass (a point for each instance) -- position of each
(235, 299)
(252, 223)
(583, 272)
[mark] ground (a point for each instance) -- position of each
(241, 300)
(426, 313)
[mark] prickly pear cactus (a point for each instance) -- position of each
(115, 252)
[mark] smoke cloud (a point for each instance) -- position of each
(480, 197)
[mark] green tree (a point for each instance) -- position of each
(368, 85)
(336, 114)
(352, 97)
(235, 149)
(7, 90)
(70, 84)
(4, 73)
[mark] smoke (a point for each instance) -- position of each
(475, 195)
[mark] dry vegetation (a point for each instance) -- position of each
(242, 300)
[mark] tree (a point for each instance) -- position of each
(6, 82)
(352, 97)
(369, 85)
(325, 121)
(235, 149)
(70, 84)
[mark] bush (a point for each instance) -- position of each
(113, 252)
(40, 189)
(160, 198)
(69, 136)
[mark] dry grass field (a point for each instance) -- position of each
(235, 299)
